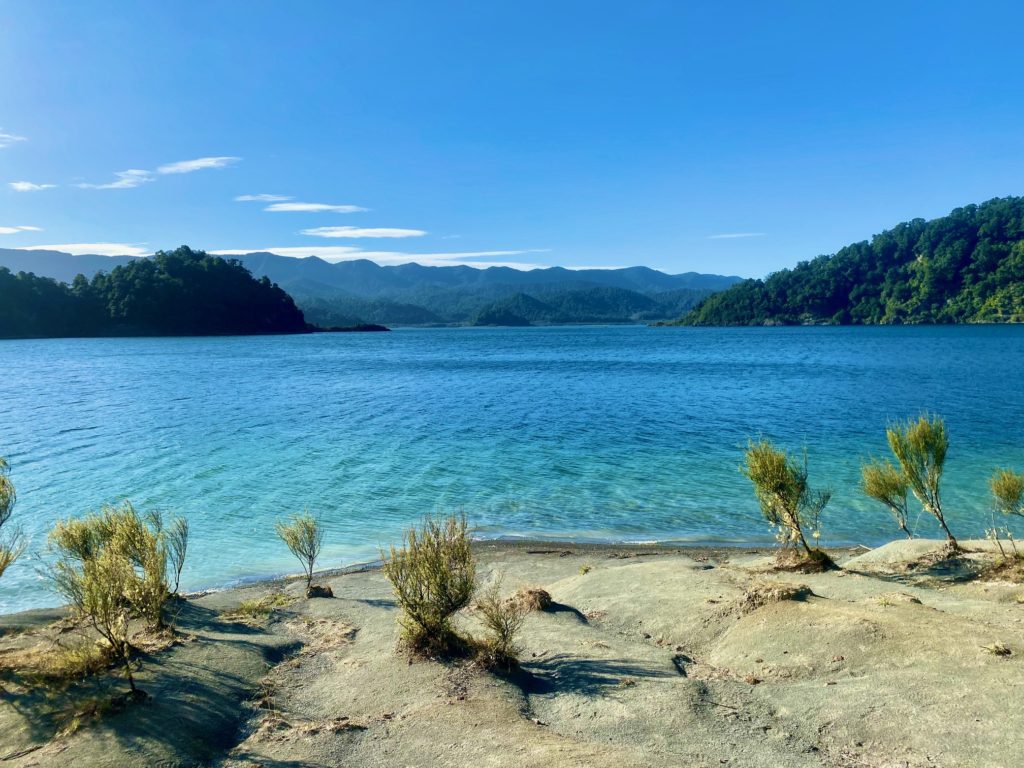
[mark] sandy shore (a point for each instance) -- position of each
(651, 656)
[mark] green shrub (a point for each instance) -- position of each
(12, 542)
(1007, 489)
(98, 591)
(304, 537)
(503, 619)
(112, 566)
(786, 499)
(434, 576)
(920, 448)
(885, 483)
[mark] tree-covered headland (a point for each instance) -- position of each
(174, 293)
(967, 267)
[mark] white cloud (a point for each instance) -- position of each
(129, 179)
(260, 198)
(28, 186)
(199, 164)
(735, 235)
(335, 253)
(312, 208)
(14, 230)
(356, 232)
(6, 139)
(100, 249)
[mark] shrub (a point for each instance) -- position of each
(110, 567)
(885, 483)
(177, 548)
(786, 499)
(503, 619)
(920, 448)
(97, 590)
(12, 542)
(434, 576)
(1007, 489)
(143, 540)
(304, 537)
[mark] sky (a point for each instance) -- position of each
(727, 137)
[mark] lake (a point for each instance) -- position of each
(587, 433)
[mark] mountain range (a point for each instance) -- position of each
(362, 291)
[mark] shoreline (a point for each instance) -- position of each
(527, 546)
(647, 655)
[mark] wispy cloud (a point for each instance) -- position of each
(313, 208)
(129, 179)
(356, 232)
(336, 253)
(135, 177)
(6, 139)
(199, 164)
(736, 235)
(99, 249)
(15, 230)
(261, 198)
(28, 186)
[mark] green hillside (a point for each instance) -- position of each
(967, 267)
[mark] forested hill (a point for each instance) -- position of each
(967, 267)
(360, 291)
(177, 293)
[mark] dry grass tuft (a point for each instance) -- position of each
(259, 609)
(762, 593)
(533, 599)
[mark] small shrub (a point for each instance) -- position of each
(997, 649)
(177, 548)
(12, 542)
(920, 449)
(503, 619)
(885, 483)
(434, 576)
(111, 567)
(585, 569)
(98, 590)
(304, 537)
(786, 499)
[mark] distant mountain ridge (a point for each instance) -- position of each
(350, 292)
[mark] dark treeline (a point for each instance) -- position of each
(174, 293)
(962, 268)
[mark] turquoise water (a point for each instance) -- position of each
(595, 433)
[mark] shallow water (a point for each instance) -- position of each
(595, 433)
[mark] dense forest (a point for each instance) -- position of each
(967, 267)
(176, 293)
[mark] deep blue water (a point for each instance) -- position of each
(597, 433)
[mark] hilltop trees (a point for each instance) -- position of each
(964, 267)
(174, 293)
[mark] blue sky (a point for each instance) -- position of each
(721, 137)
